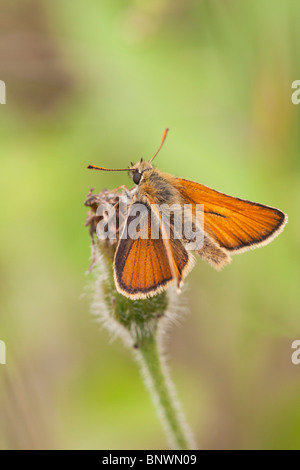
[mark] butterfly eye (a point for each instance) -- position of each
(137, 177)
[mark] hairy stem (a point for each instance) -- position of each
(163, 394)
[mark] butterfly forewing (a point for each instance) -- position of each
(235, 224)
(142, 266)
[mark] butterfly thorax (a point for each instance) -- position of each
(157, 187)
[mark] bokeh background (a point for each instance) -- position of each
(97, 82)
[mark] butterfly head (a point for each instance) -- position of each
(137, 170)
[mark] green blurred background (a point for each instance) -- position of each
(97, 82)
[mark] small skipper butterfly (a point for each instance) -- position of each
(145, 266)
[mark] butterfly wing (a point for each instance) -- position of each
(233, 224)
(145, 266)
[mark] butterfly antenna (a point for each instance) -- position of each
(161, 144)
(94, 167)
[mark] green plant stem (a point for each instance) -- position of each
(163, 394)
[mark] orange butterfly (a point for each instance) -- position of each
(147, 265)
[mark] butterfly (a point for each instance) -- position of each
(146, 265)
